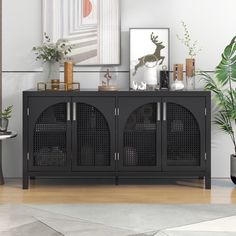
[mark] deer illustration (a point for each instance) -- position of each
(155, 57)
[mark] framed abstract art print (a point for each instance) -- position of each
(91, 26)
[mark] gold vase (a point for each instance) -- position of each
(68, 74)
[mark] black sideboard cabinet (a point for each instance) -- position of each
(118, 135)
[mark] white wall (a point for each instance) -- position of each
(211, 22)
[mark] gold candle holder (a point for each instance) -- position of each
(68, 74)
(55, 84)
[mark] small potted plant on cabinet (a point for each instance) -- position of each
(4, 118)
(223, 88)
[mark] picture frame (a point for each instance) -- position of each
(91, 26)
(149, 54)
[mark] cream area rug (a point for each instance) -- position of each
(117, 220)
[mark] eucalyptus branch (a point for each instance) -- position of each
(52, 51)
(193, 50)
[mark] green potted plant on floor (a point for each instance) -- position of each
(4, 118)
(222, 87)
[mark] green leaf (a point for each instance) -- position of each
(7, 112)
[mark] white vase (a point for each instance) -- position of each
(51, 70)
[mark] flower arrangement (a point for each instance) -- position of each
(50, 52)
(193, 50)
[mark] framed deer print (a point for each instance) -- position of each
(92, 27)
(149, 54)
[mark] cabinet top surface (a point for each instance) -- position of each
(35, 92)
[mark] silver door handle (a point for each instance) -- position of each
(158, 111)
(164, 111)
(74, 111)
(68, 111)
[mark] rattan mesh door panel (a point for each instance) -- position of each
(50, 138)
(93, 137)
(139, 138)
(183, 137)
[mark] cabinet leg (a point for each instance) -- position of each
(1, 174)
(1, 177)
(117, 180)
(25, 182)
(207, 182)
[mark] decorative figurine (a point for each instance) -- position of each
(106, 85)
(164, 78)
(135, 85)
(178, 78)
(108, 77)
(139, 86)
(143, 86)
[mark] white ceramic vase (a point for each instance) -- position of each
(51, 70)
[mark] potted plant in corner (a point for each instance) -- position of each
(4, 118)
(224, 93)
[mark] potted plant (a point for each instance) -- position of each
(52, 54)
(4, 118)
(224, 93)
(193, 50)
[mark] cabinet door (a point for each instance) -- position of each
(139, 134)
(93, 134)
(183, 133)
(49, 133)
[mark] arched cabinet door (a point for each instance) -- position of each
(139, 135)
(49, 134)
(183, 133)
(93, 135)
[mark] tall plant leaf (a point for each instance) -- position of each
(226, 70)
(225, 96)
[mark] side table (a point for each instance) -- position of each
(7, 135)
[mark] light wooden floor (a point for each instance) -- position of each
(67, 191)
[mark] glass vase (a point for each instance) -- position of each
(3, 124)
(108, 80)
(190, 74)
(51, 70)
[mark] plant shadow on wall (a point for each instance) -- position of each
(222, 86)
